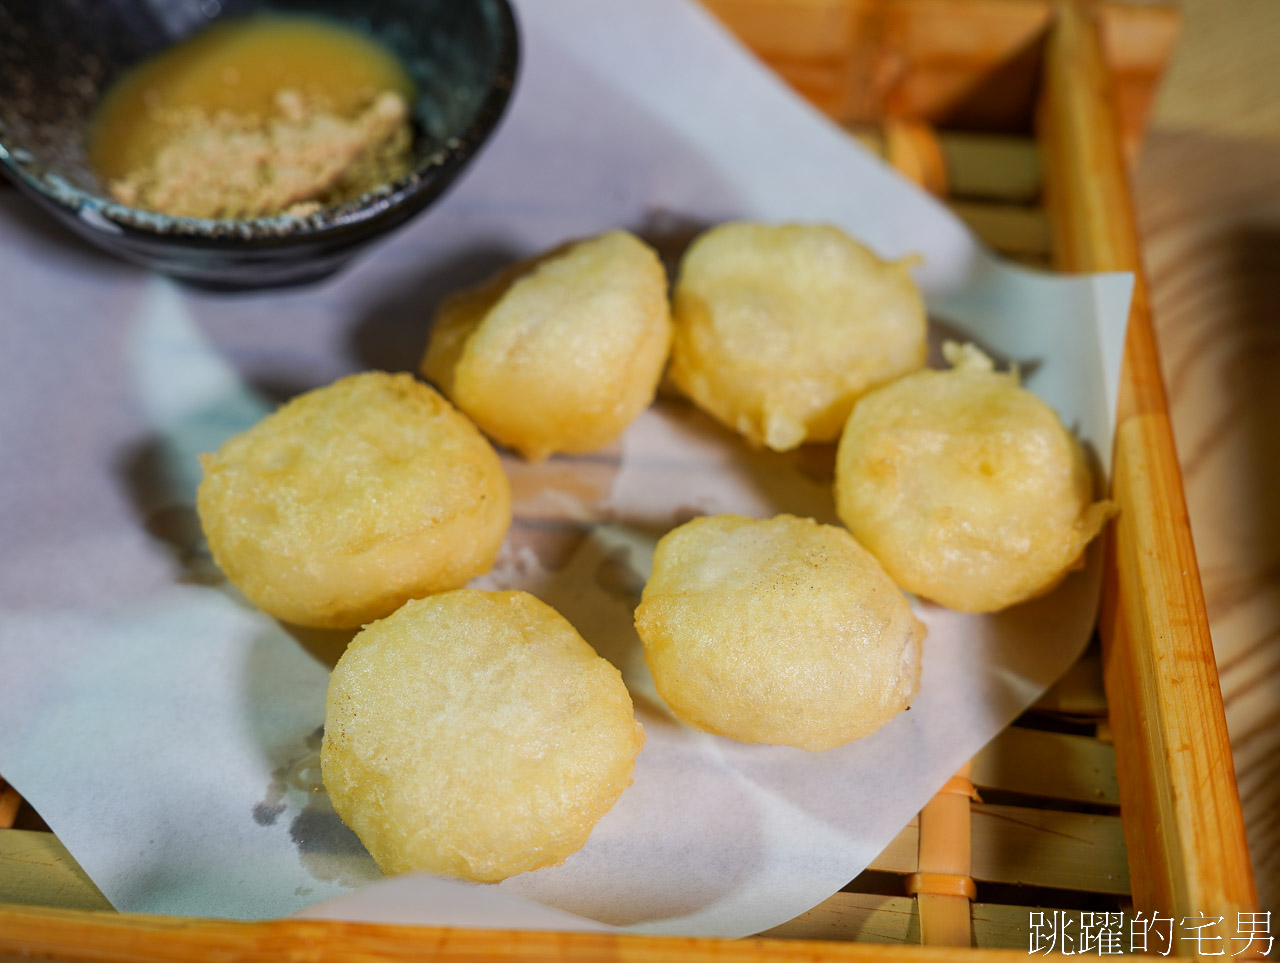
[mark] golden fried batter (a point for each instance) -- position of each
(779, 329)
(966, 486)
(780, 631)
(352, 499)
(561, 353)
(475, 735)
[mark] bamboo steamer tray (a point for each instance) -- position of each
(1116, 791)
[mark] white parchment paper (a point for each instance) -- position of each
(169, 733)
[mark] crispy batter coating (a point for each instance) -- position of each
(966, 486)
(781, 631)
(561, 353)
(475, 735)
(779, 329)
(352, 499)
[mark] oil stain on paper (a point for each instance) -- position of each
(328, 850)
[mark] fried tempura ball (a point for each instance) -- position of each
(966, 486)
(352, 499)
(781, 631)
(561, 353)
(779, 329)
(475, 735)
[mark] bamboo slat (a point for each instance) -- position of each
(980, 169)
(870, 918)
(123, 938)
(1017, 845)
(1080, 692)
(1184, 826)
(9, 803)
(902, 855)
(1050, 765)
(37, 870)
(1008, 229)
(1011, 845)
(1043, 847)
(974, 167)
(913, 148)
(991, 167)
(865, 917)
(942, 885)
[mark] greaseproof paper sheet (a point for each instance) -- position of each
(168, 732)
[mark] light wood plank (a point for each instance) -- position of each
(1041, 847)
(972, 63)
(870, 918)
(864, 917)
(37, 870)
(903, 852)
(989, 167)
(1185, 829)
(1008, 228)
(1208, 197)
(1011, 845)
(1037, 847)
(1000, 927)
(103, 937)
(1054, 765)
(1080, 692)
(992, 166)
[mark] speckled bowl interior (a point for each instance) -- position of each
(58, 57)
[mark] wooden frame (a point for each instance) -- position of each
(1185, 830)
(969, 64)
(1081, 75)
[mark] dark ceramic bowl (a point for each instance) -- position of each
(57, 57)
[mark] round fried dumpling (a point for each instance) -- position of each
(352, 499)
(966, 486)
(475, 735)
(781, 631)
(561, 353)
(779, 329)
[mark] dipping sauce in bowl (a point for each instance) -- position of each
(258, 116)
(82, 85)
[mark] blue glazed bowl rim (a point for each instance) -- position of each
(112, 217)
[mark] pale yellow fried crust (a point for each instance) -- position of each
(475, 735)
(966, 486)
(558, 354)
(352, 499)
(781, 631)
(779, 329)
